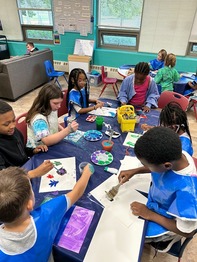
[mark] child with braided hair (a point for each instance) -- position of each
(174, 117)
(139, 89)
(78, 95)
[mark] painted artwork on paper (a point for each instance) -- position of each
(74, 137)
(76, 229)
(62, 177)
(131, 139)
(104, 111)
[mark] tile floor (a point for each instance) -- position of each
(190, 255)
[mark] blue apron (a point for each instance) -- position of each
(75, 98)
(47, 220)
(172, 195)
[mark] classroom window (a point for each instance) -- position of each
(36, 20)
(119, 23)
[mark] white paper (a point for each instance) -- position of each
(120, 206)
(104, 111)
(131, 139)
(52, 181)
(112, 241)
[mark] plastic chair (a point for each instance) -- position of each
(52, 73)
(178, 248)
(195, 161)
(21, 125)
(193, 102)
(63, 109)
(169, 96)
(107, 80)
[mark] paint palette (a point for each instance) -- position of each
(102, 158)
(93, 135)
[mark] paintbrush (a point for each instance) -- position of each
(113, 192)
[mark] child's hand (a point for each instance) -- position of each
(88, 169)
(73, 126)
(42, 169)
(100, 103)
(40, 148)
(145, 127)
(146, 109)
(139, 209)
(125, 175)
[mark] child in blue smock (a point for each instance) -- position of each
(171, 209)
(27, 234)
(78, 95)
(174, 117)
(158, 62)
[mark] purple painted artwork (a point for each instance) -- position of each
(76, 229)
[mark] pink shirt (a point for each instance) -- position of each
(139, 98)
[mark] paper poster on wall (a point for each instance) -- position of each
(74, 15)
(56, 39)
(62, 177)
(84, 47)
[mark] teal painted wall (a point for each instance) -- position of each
(105, 57)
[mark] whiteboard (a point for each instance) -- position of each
(72, 16)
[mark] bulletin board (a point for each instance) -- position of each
(72, 16)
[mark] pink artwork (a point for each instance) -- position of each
(76, 229)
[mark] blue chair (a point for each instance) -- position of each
(52, 74)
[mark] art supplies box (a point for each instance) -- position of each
(126, 118)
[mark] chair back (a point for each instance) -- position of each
(195, 161)
(103, 74)
(21, 125)
(63, 109)
(170, 96)
(48, 67)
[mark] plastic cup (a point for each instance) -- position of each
(81, 166)
(99, 122)
(107, 145)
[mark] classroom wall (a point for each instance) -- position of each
(114, 58)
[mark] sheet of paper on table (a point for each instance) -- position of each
(104, 111)
(76, 229)
(112, 241)
(127, 193)
(53, 181)
(74, 137)
(131, 139)
(119, 234)
(189, 75)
